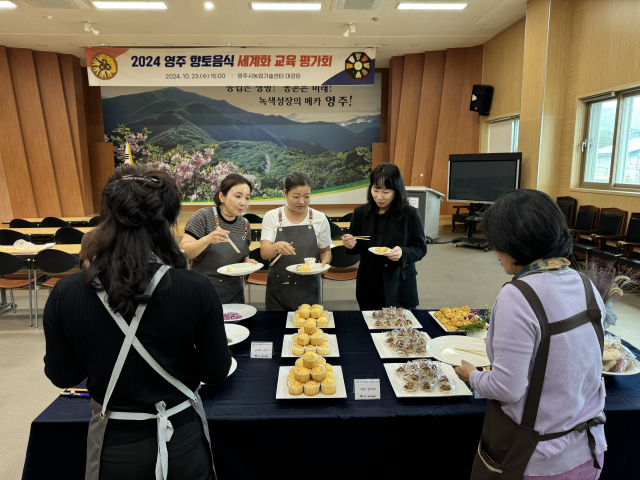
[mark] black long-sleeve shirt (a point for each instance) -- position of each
(182, 328)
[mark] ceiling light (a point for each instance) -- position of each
(6, 4)
(208, 6)
(431, 6)
(230, 44)
(286, 6)
(131, 5)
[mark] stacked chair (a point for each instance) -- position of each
(342, 267)
(259, 277)
(569, 206)
(610, 228)
(630, 259)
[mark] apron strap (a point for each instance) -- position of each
(581, 427)
(128, 330)
(310, 218)
(280, 218)
(593, 310)
(215, 214)
(246, 228)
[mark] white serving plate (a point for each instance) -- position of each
(287, 345)
(282, 390)
(460, 390)
(316, 268)
(240, 269)
(628, 371)
(370, 321)
(373, 250)
(237, 333)
(245, 310)
(444, 349)
(442, 326)
(331, 324)
(385, 352)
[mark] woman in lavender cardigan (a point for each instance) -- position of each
(544, 416)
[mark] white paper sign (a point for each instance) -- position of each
(261, 349)
(367, 389)
(414, 202)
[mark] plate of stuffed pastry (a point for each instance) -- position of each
(379, 250)
(310, 317)
(308, 268)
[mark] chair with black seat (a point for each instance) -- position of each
(53, 222)
(630, 259)
(253, 218)
(586, 222)
(569, 206)
(69, 236)
(342, 267)
(9, 237)
(94, 222)
(336, 231)
(610, 227)
(20, 223)
(346, 218)
(609, 253)
(259, 277)
(9, 279)
(460, 217)
(54, 262)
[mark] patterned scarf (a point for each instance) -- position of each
(539, 266)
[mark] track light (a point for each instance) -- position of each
(351, 29)
(89, 28)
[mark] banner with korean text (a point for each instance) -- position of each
(200, 134)
(193, 67)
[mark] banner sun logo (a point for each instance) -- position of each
(104, 66)
(358, 65)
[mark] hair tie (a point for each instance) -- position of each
(135, 177)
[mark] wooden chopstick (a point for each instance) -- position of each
(234, 246)
(275, 260)
(471, 350)
(362, 238)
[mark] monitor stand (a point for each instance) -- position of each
(469, 239)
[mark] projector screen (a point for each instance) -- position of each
(482, 178)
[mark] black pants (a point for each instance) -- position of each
(189, 457)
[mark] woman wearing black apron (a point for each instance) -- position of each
(544, 418)
(208, 232)
(296, 232)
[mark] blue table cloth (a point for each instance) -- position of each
(256, 436)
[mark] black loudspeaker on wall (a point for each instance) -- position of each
(481, 97)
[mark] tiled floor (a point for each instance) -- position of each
(446, 277)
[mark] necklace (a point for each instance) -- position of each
(225, 215)
(287, 207)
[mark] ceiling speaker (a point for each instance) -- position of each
(356, 4)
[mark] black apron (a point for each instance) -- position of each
(229, 289)
(506, 447)
(286, 291)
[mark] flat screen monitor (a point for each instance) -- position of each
(484, 177)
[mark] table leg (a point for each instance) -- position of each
(35, 289)
(4, 306)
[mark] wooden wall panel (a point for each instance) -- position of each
(12, 151)
(458, 128)
(71, 80)
(380, 154)
(5, 199)
(429, 114)
(384, 105)
(34, 131)
(502, 69)
(59, 133)
(408, 115)
(535, 53)
(396, 70)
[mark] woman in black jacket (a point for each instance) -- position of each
(388, 219)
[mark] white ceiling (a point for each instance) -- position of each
(187, 23)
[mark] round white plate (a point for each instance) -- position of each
(240, 269)
(444, 349)
(316, 269)
(237, 333)
(373, 250)
(628, 371)
(234, 366)
(245, 311)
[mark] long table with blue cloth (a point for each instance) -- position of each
(255, 436)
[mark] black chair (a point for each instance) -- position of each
(342, 266)
(608, 253)
(568, 205)
(69, 236)
(53, 222)
(20, 223)
(253, 218)
(94, 222)
(610, 227)
(9, 237)
(10, 264)
(346, 218)
(259, 277)
(336, 231)
(55, 262)
(460, 217)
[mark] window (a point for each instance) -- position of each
(611, 148)
(503, 135)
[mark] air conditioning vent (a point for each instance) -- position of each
(357, 4)
(71, 4)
